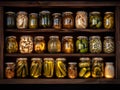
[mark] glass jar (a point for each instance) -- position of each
(97, 67)
(21, 67)
(68, 20)
(72, 70)
(39, 44)
(11, 44)
(57, 21)
(109, 70)
(95, 20)
(36, 67)
(26, 44)
(108, 44)
(9, 70)
(85, 67)
(81, 20)
(33, 20)
(60, 66)
(82, 44)
(10, 19)
(48, 67)
(95, 44)
(45, 19)
(22, 20)
(67, 44)
(108, 20)
(54, 44)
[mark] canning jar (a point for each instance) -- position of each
(10, 19)
(48, 67)
(26, 44)
(33, 20)
(95, 20)
(54, 44)
(85, 67)
(82, 44)
(39, 44)
(81, 20)
(11, 44)
(60, 67)
(36, 67)
(97, 67)
(57, 21)
(109, 70)
(108, 44)
(72, 70)
(9, 70)
(45, 19)
(95, 44)
(21, 67)
(68, 20)
(22, 20)
(108, 20)
(67, 44)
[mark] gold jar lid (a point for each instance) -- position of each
(10, 63)
(98, 58)
(20, 59)
(48, 59)
(72, 63)
(84, 58)
(35, 59)
(60, 59)
(109, 12)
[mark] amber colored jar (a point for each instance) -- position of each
(68, 20)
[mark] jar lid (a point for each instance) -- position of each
(34, 59)
(98, 58)
(79, 12)
(56, 14)
(95, 12)
(61, 59)
(85, 58)
(48, 59)
(39, 37)
(84, 37)
(109, 13)
(9, 63)
(72, 62)
(33, 14)
(67, 12)
(54, 37)
(10, 12)
(65, 37)
(22, 12)
(45, 12)
(107, 37)
(26, 36)
(94, 36)
(11, 37)
(21, 58)
(108, 62)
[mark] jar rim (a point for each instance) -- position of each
(45, 12)
(21, 58)
(39, 37)
(109, 12)
(35, 59)
(94, 36)
(61, 59)
(81, 12)
(33, 14)
(95, 12)
(68, 12)
(98, 58)
(48, 59)
(79, 37)
(9, 63)
(58, 14)
(11, 37)
(108, 62)
(54, 37)
(72, 62)
(10, 12)
(68, 37)
(84, 58)
(22, 12)
(106, 37)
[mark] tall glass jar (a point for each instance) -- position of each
(26, 44)
(95, 44)
(48, 67)
(108, 44)
(108, 20)
(82, 44)
(10, 19)
(36, 67)
(57, 21)
(60, 67)
(11, 44)
(97, 67)
(45, 19)
(67, 44)
(33, 20)
(95, 20)
(39, 44)
(81, 20)
(68, 20)
(54, 44)
(22, 20)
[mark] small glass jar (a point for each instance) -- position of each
(48, 67)
(82, 44)
(10, 19)
(54, 44)
(57, 21)
(68, 20)
(95, 44)
(108, 44)
(81, 20)
(26, 44)
(97, 67)
(45, 19)
(109, 70)
(22, 20)
(21, 67)
(85, 67)
(67, 44)
(39, 44)
(36, 67)
(95, 20)
(108, 20)
(10, 70)
(33, 20)
(60, 67)
(72, 70)
(11, 44)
